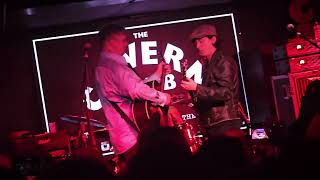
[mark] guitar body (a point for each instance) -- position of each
(144, 112)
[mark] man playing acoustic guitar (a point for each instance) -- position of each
(216, 99)
(118, 86)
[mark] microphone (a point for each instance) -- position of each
(86, 48)
(292, 28)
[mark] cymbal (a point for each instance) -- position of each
(79, 119)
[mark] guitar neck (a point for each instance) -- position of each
(184, 74)
(163, 75)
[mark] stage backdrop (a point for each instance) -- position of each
(61, 64)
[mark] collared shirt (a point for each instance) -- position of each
(116, 82)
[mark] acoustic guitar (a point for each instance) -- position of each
(145, 111)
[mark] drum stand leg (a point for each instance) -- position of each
(81, 140)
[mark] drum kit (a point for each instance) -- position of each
(190, 129)
(61, 145)
(66, 143)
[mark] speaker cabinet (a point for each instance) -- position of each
(282, 99)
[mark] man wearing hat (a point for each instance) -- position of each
(216, 99)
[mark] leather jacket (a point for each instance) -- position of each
(216, 99)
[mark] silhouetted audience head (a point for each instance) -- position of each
(80, 169)
(163, 153)
(7, 169)
(309, 111)
(5, 159)
(298, 157)
(310, 101)
(221, 157)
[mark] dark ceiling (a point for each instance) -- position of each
(18, 4)
(43, 13)
(46, 13)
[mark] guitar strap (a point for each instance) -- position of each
(129, 65)
(125, 116)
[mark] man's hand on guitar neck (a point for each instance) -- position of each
(189, 84)
(156, 76)
(163, 69)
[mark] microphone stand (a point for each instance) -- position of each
(88, 114)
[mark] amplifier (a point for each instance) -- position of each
(304, 63)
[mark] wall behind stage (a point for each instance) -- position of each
(62, 63)
(260, 25)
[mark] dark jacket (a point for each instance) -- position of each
(216, 99)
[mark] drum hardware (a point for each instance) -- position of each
(100, 132)
(78, 119)
(193, 135)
